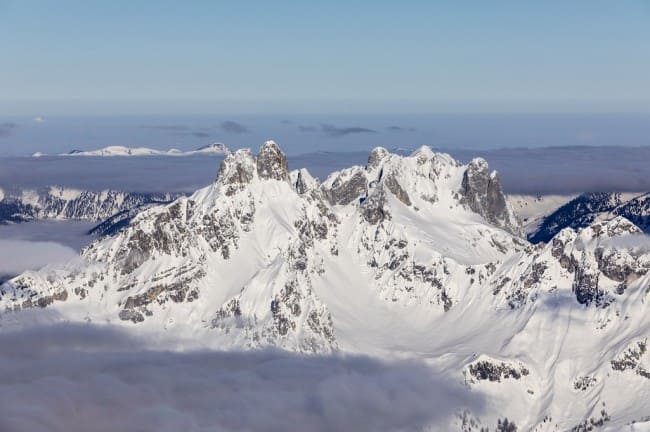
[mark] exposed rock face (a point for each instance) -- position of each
(396, 189)
(347, 187)
(619, 266)
(302, 181)
(272, 163)
(301, 185)
(373, 207)
(589, 261)
(237, 168)
(375, 157)
(584, 383)
(495, 371)
(585, 286)
(482, 191)
(630, 359)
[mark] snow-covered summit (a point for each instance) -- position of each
(408, 256)
(216, 148)
(259, 216)
(424, 180)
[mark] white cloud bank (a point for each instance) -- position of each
(68, 378)
(17, 256)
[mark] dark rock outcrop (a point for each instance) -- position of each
(482, 192)
(396, 189)
(486, 370)
(302, 186)
(237, 168)
(375, 157)
(346, 189)
(272, 163)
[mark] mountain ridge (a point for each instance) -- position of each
(61, 203)
(416, 256)
(115, 151)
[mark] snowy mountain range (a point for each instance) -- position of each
(413, 256)
(215, 148)
(584, 209)
(65, 203)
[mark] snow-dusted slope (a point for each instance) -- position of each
(587, 208)
(532, 209)
(216, 148)
(65, 203)
(415, 256)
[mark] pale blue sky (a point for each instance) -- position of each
(76, 57)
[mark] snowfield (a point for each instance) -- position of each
(416, 258)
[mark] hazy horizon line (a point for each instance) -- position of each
(201, 107)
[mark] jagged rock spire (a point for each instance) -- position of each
(272, 163)
(483, 193)
(237, 168)
(375, 157)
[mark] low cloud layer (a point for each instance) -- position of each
(638, 243)
(17, 256)
(332, 131)
(84, 377)
(555, 170)
(565, 170)
(233, 127)
(173, 128)
(400, 129)
(6, 129)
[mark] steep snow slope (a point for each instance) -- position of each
(415, 256)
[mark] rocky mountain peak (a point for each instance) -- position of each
(617, 226)
(371, 261)
(424, 153)
(375, 157)
(482, 192)
(237, 168)
(216, 147)
(272, 163)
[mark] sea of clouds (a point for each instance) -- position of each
(555, 170)
(81, 377)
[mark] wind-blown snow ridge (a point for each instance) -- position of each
(416, 256)
(215, 148)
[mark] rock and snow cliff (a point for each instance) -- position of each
(416, 256)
